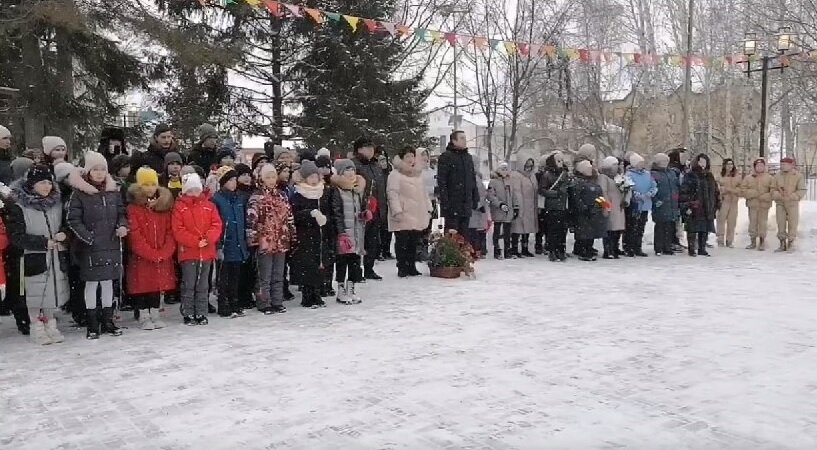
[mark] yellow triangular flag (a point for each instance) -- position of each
(254, 3)
(353, 21)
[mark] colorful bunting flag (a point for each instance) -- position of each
(464, 41)
(274, 8)
(253, 3)
(436, 36)
(371, 25)
(353, 21)
(295, 10)
(333, 17)
(404, 30)
(451, 38)
(389, 26)
(315, 15)
(510, 47)
(480, 42)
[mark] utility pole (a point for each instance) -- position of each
(687, 77)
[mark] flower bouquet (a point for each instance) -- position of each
(450, 255)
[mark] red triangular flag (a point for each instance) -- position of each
(451, 38)
(371, 25)
(274, 8)
(584, 55)
(524, 49)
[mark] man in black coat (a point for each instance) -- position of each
(162, 142)
(367, 166)
(456, 184)
(112, 144)
(205, 152)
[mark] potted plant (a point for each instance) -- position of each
(450, 255)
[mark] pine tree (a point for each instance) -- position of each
(349, 87)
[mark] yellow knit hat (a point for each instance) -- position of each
(147, 177)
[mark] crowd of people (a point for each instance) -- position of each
(144, 229)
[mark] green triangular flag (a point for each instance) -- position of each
(334, 17)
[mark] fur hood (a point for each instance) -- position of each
(404, 169)
(340, 182)
(164, 202)
(28, 199)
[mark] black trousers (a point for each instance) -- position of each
(556, 231)
(371, 244)
(664, 237)
(612, 242)
(15, 301)
(584, 247)
(385, 240)
(229, 279)
(459, 224)
(146, 301)
(635, 222)
(348, 264)
(541, 235)
(502, 230)
(405, 247)
(477, 240)
(248, 281)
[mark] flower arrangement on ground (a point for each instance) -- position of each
(450, 255)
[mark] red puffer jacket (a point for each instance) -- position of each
(194, 219)
(151, 243)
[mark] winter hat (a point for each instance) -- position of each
(63, 170)
(587, 151)
(52, 142)
(173, 157)
(609, 162)
(259, 158)
(146, 176)
(205, 131)
(788, 160)
(4, 132)
(225, 174)
(322, 152)
(308, 168)
(280, 166)
(118, 162)
(225, 153)
(94, 159)
(323, 162)
(242, 169)
(278, 151)
(267, 169)
(187, 170)
(661, 160)
(161, 128)
(37, 173)
(191, 182)
(21, 165)
(636, 159)
(502, 165)
(585, 168)
(342, 165)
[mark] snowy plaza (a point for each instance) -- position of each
(670, 352)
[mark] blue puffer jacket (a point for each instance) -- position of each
(644, 189)
(665, 204)
(232, 207)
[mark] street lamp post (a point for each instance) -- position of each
(784, 44)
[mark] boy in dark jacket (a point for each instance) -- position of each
(233, 252)
(553, 186)
(172, 175)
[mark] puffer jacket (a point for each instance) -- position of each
(93, 219)
(32, 222)
(456, 183)
(665, 206)
(644, 189)
(730, 189)
(757, 190)
(788, 188)
(346, 202)
(500, 192)
(409, 203)
(270, 225)
(232, 210)
(554, 184)
(196, 219)
(150, 241)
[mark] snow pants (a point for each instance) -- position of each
(727, 218)
(556, 231)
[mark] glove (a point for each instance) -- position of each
(318, 216)
(515, 213)
(345, 246)
(658, 203)
(366, 216)
(504, 207)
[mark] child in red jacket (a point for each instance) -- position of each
(196, 228)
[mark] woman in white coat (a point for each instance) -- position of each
(409, 210)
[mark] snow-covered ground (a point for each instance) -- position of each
(669, 352)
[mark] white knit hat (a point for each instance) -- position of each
(324, 152)
(191, 182)
(636, 159)
(610, 161)
(52, 142)
(585, 168)
(4, 132)
(94, 159)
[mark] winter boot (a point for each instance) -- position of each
(720, 242)
(343, 294)
(145, 321)
(790, 246)
(402, 271)
(702, 244)
(224, 309)
(108, 325)
(201, 320)
(38, 334)
(761, 246)
(640, 252)
(372, 275)
(93, 324)
(412, 270)
(537, 249)
(691, 240)
(608, 254)
(729, 244)
(552, 257)
(507, 254)
(497, 253)
(156, 318)
(52, 331)
(562, 255)
(752, 244)
(190, 321)
(23, 321)
(355, 299)
(783, 246)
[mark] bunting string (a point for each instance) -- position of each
(281, 10)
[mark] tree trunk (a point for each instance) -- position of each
(277, 95)
(65, 68)
(29, 74)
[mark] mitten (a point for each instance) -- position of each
(504, 207)
(318, 216)
(366, 216)
(345, 246)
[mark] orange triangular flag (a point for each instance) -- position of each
(403, 29)
(315, 15)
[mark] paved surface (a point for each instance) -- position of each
(654, 353)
